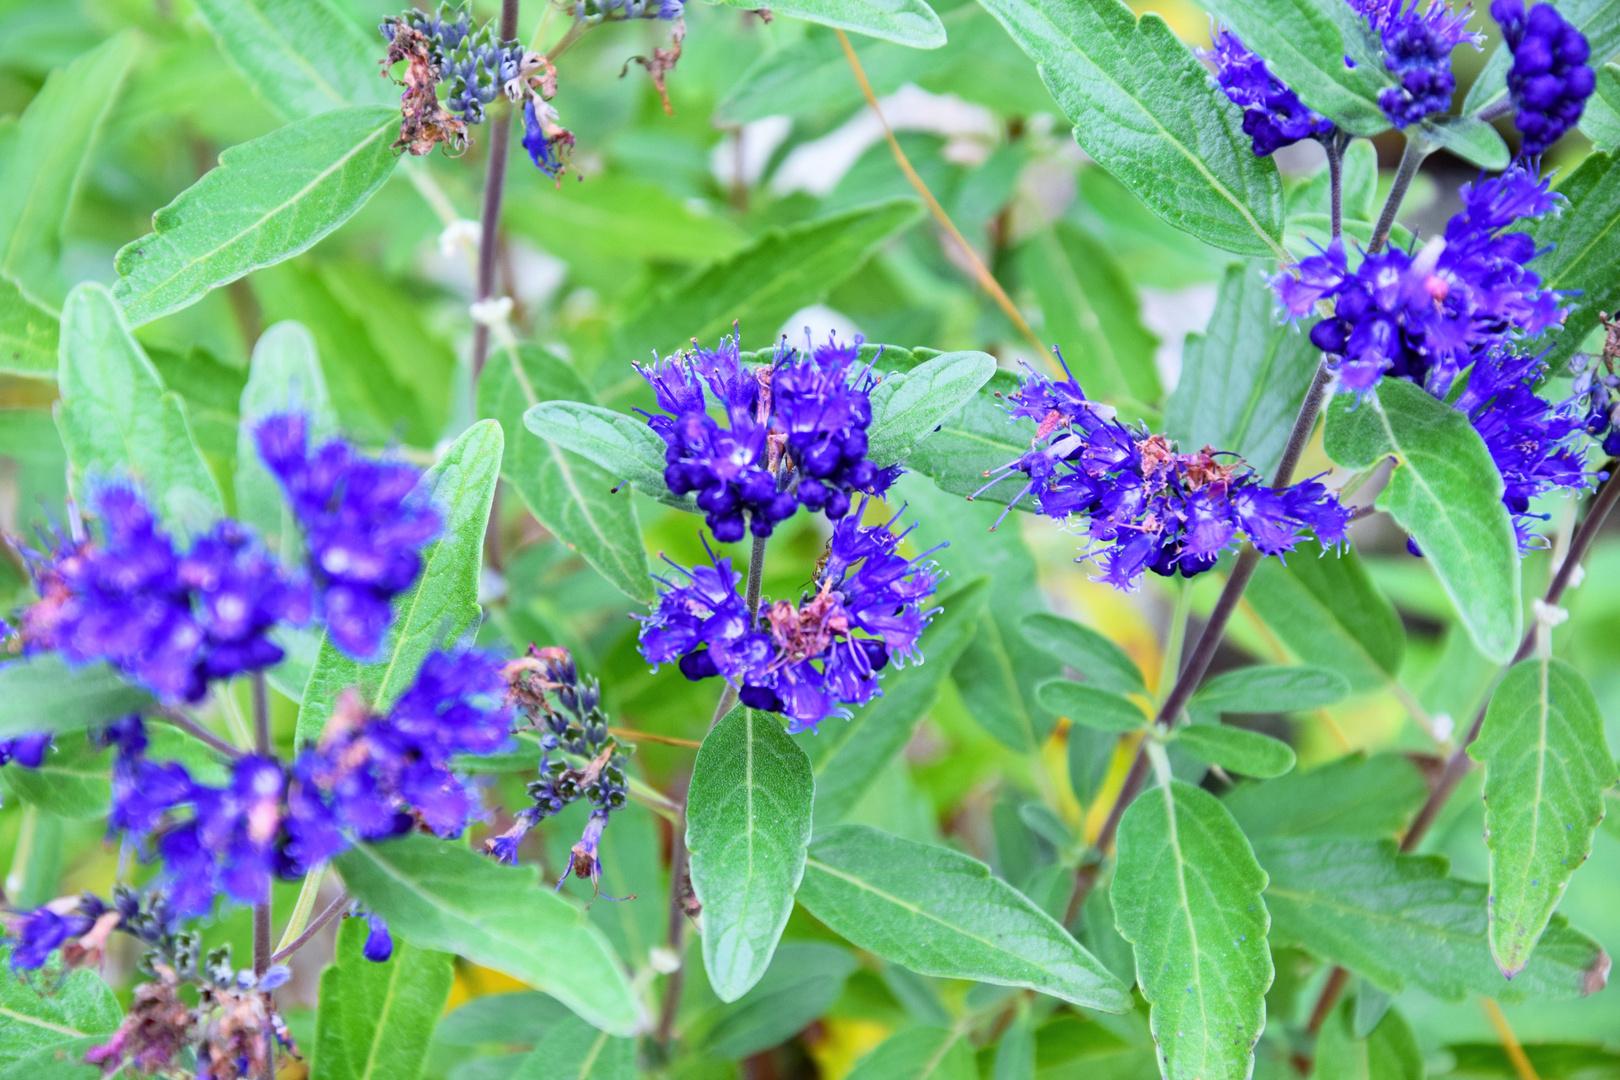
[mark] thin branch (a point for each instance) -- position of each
(1411, 158)
(327, 914)
(186, 724)
(500, 140)
(1335, 145)
(980, 273)
(1510, 1042)
(676, 980)
(648, 736)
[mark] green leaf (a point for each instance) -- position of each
(576, 1051)
(1389, 1052)
(43, 693)
(907, 407)
(1084, 649)
(1598, 20)
(566, 493)
(1354, 796)
(940, 912)
(1547, 765)
(1324, 607)
(50, 150)
(268, 200)
(1243, 379)
(617, 217)
(1248, 753)
(803, 981)
(1091, 706)
(442, 605)
(622, 446)
(1471, 139)
(1447, 493)
(905, 22)
(1398, 920)
(302, 56)
(1585, 252)
(375, 1020)
(437, 894)
(918, 1053)
(80, 1005)
(1015, 1050)
(1090, 308)
(850, 757)
(28, 333)
(747, 824)
(117, 419)
(520, 1018)
(1601, 120)
(1186, 894)
(766, 282)
(71, 782)
(63, 1061)
(1266, 688)
(1148, 112)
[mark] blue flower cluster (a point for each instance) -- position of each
(629, 9)
(795, 434)
(1144, 506)
(475, 64)
(1273, 115)
(364, 521)
(25, 750)
(1549, 80)
(1428, 314)
(170, 622)
(809, 660)
(1417, 49)
(1600, 388)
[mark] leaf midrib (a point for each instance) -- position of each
(398, 966)
(811, 860)
(46, 1025)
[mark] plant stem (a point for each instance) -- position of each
(489, 217)
(178, 719)
(302, 907)
(676, 980)
(1411, 158)
(756, 574)
(1177, 635)
(1335, 145)
(327, 914)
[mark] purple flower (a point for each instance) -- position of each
(547, 142)
(379, 944)
(241, 593)
(364, 521)
(1550, 80)
(26, 750)
(1273, 115)
(1417, 50)
(824, 407)
(42, 931)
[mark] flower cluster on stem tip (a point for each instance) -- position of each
(1550, 80)
(1143, 505)
(795, 433)
(1273, 115)
(808, 660)
(1418, 43)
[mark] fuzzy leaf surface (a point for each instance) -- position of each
(1248, 753)
(44, 693)
(31, 1021)
(921, 399)
(375, 1020)
(1585, 252)
(1091, 706)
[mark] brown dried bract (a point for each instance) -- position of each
(237, 1026)
(662, 63)
(157, 1028)
(424, 123)
(803, 632)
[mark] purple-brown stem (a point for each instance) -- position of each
(500, 140)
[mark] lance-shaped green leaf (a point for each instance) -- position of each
(1471, 139)
(29, 333)
(1242, 379)
(907, 407)
(1601, 120)
(71, 782)
(905, 22)
(623, 446)
(439, 895)
(803, 981)
(1091, 706)
(116, 418)
(1268, 688)
(918, 1053)
(974, 441)
(940, 912)
(443, 604)
(1186, 895)
(747, 824)
(302, 56)
(566, 493)
(518, 1018)
(1582, 252)
(1547, 765)
(1447, 493)
(1598, 20)
(1248, 753)
(1090, 308)
(1398, 920)
(1324, 606)
(1084, 649)
(1390, 1051)
(43, 693)
(1353, 796)
(375, 1020)
(575, 1050)
(39, 176)
(31, 1019)
(1148, 112)
(761, 285)
(268, 200)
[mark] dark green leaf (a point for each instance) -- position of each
(375, 1020)
(1389, 1052)
(1447, 493)
(919, 1053)
(622, 446)
(1324, 607)
(802, 982)
(1355, 796)
(576, 1051)
(565, 492)
(747, 824)
(976, 440)
(43, 693)
(268, 200)
(1090, 308)
(1148, 112)
(1266, 688)
(438, 894)
(442, 605)
(1187, 895)
(907, 406)
(28, 333)
(1547, 765)
(905, 22)
(1248, 753)
(1584, 255)
(1084, 649)
(71, 782)
(1601, 120)
(33, 1020)
(1399, 921)
(1243, 379)
(521, 1018)
(1091, 706)
(939, 912)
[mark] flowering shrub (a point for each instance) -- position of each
(1034, 612)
